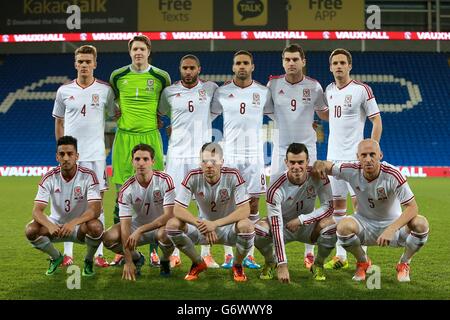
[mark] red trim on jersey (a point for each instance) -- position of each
(94, 200)
(273, 188)
(188, 176)
(394, 172)
(103, 82)
(167, 178)
(368, 89)
(125, 217)
(276, 234)
(312, 79)
(327, 213)
(181, 204)
(89, 171)
(248, 200)
(410, 199)
(373, 115)
(67, 83)
(55, 170)
(227, 82)
(76, 82)
(233, 171)
(169, 204)
(344, 85)
(41, 201)
(294, 83)
(276, 77)
(124, 187)
(243, 87)
(55, 116)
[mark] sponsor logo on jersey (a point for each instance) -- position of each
(95, 100)
(157, 196)
(224, 196)
(381, 193)
(281, 91)
(77, 194)
(256, 98)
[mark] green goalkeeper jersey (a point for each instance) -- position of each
(138, 95)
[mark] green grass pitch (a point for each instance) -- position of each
(22, 267)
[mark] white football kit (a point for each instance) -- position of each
(189, 110)
(243, 110)
(69, 199)
(145, 204)
(348, 109)
(294, 105)
(379, 200)
(214, 201)
(287, 201)
(83, 111)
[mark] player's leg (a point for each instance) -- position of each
(264, 243)
(68, 254)
(92, 233)
(348, 233)
(245, 237)
(167, 249)
(177, 231)
(324, 234)
(249, 261)
(228, 257)
(40, 239)
(416, 234)
(308, 257)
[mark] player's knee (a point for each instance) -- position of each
(174, 223)
(94, 228)
(346, 227)
(245, 226)
(419, 224)
(110, 238)
(328, 221)
(263, 223)
(161, 235)
(31, 231)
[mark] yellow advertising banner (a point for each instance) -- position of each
(175, 15)
(250, 12)
(326, 15)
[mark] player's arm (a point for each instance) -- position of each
(242, 212)
(184, 215)
(92, 212)
(326, 205)
(377, 127)
(321, 169)
(40, 217)
(59, 127)
(129, 269)
(324, 115)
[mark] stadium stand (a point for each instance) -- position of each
(412, 90)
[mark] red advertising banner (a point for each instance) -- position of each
(229, 35)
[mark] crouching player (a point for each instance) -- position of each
(223, 203)
(146, 202)
(380, 190)
(291, 216)
(75, 208)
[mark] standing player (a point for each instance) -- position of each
(243, 103)
(295, 98)
(381, 191)
(188, 103)
(146, 202)
(222, 200)
(75, 208)
(291, 216)
(138, 87)
(79, 111)
(350, 102)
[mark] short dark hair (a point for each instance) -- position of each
(87, 49)
(190, 56)
(294, 47)
(297, 148)
(143, 147)
(67, 140)
(141, 38)
(341, 51)
(214, 148)
(244, 52)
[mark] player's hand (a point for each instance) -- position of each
(318, 170)
(211, 237)
(160, 122)
(293, 225)
(315, 125)
(205, 226)
(129, 272)
(53, 229)
(169, 130)
(117, 113)
(283, 273)
(66, 229)
(133, 240)
(386, 237)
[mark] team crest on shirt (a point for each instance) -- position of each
(202, 95)
(310, 192)
(157, 196)
(150, 84)
(306, 95)
(77, 194)
(95, 100)
(224, 196)
(381, 193)
(348, 100)
(256, 98)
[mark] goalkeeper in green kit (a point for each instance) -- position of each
(138, 87)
